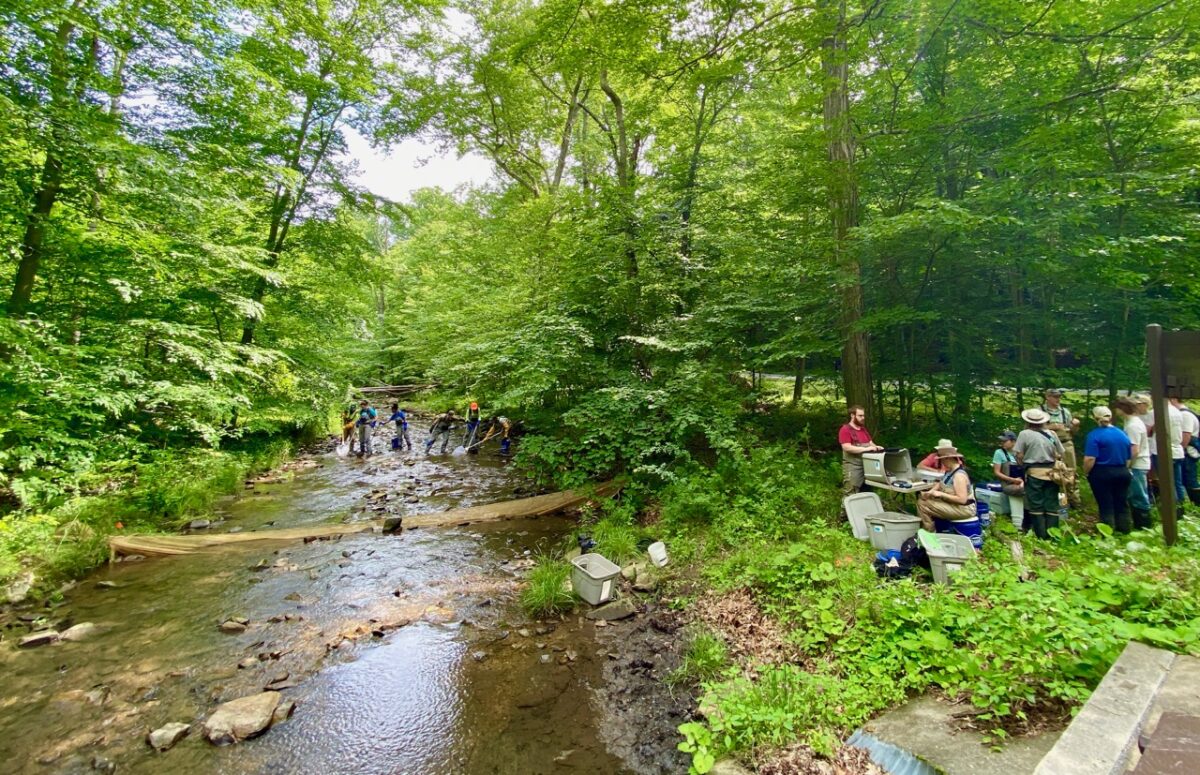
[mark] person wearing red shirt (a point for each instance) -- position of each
(855, 440)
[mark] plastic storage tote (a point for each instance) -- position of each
(948, 553)
(594, 578)
(890, 530)
(997, 501)
(888, 466)
(858, 507)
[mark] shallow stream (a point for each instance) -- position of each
(403, 654)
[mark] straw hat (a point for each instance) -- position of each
(945, 452)
(1141, 398)
(944, 443)
(1035, 417)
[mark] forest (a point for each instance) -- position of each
(933, 208)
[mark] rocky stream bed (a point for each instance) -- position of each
(364, 653)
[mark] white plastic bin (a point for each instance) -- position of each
(997, 501)
(594, 578)
(888, 466)
(858, 507)
(891, 529)
(948, 553)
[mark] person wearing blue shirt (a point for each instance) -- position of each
(1106, 457)
(364, 425)
(401, 419)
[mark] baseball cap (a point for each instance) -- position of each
(1101, 413)
(1054, 391)
(1007, 436)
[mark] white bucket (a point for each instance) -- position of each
(658, 553)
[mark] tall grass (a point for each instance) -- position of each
(547, 592)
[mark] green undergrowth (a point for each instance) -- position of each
(704, 658)
(159, 492)
(1020, 642)
(546, 592)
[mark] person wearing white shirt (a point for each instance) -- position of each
(1190, 432)
(1139, 463)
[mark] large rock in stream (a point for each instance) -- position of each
(166, 737)
(242, 718)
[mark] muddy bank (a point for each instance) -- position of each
(643, 710)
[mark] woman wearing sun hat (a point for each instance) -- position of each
(932, 461)
(1037, 449)
(950, 506)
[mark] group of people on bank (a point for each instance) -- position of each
(360, 421)
(1039, 464)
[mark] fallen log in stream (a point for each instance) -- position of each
(539, 505)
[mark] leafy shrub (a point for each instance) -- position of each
(770, 493)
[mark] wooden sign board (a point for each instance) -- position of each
(1181, 364)
(1174, 373)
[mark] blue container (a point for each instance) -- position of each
(984, 512)
(972, 529)
(888, 554)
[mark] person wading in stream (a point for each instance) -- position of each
(472, 426)
(495, 426)
(401, 419)
(365, 423)
(441, 427)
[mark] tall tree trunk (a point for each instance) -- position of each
(35, 234)
(843, 207)
(798, 388)
(51, 180)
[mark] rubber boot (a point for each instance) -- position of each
(1141, 519)
(1039, 525)
(1194, 497)
(1179, 511)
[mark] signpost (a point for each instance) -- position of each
(1174, 373)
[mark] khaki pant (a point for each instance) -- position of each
(928, 509)
(854, 477)
(1071, 488)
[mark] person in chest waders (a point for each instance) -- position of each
(401, 438)
(472, 428)
(365, 423)
(441, 428)
(1064, 426)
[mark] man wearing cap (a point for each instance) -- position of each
(1037, 449)
(1106, 456)
(855, 440)
(1064, 425)
(1003, 462)
(1139, 465)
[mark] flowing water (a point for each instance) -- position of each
(403, 654)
